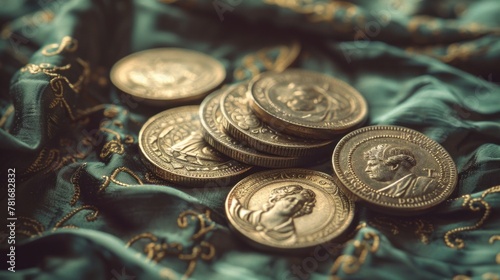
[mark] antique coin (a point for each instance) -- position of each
(167, 76)
(173, 148)
(213, 132)
(306, 103)
(240, 121)
(288, 209)
(394, 169)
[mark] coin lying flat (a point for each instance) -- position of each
(394, 169)
(173, 148)
(215, 135)
(288, 209)
(243, 124)
(306, 103)
(167, 76)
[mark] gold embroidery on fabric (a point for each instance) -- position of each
(141, 236)
(67, 44)
(114, 146)
(485, 276)
(461, 277)
(29, 227)
(250, 68)
(92, 216)
(44, 159)
(6, 115)
(491, 241)
(75, 181)
(167, 273)
(111, 112)
(352, 263)
(455, 52)
(157, 250)
(491, 276)
(435, 25)
(474, 205)
(153, 179)
(183, 221)
(57, 80)
(112, 178)
(423, 228)
(30, 24)
(326, 12)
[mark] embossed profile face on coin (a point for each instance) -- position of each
(173, 148)
(392, 167)
(240, 121)
(288, 209)
(214, 133)
(167, 75)
(307, 103)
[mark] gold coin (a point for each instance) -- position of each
(288, 209)
(307, 104)
(243, 124)
(173, 148)
(394, 169)
(167, 76)
(215, 135)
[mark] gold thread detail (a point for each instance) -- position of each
(112, 178)
(6, 115)
(350, 264)
(422, 228)
(67, 44)
(474, 205)
(287, 55)
(29, 227)
(92, 216)
(491, 241)
(75, 181)
(157, 250)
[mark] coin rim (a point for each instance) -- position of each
(340, 231)
(255, 158)
(384, 207)
(301, 129)
(218, 69)
(282, 148)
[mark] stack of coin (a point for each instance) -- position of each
(167, 77)
(277, 120)
(394, 169)
(282, 119)
(307, 104)
(173, 148)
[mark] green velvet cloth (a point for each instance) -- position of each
(87, 208)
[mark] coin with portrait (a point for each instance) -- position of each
(288, 209)
(167, 76)
(215, 134)
(172, 146)
(240, 121)
(394, 168)
(306, 103)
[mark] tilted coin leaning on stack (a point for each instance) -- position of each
(289, 119)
